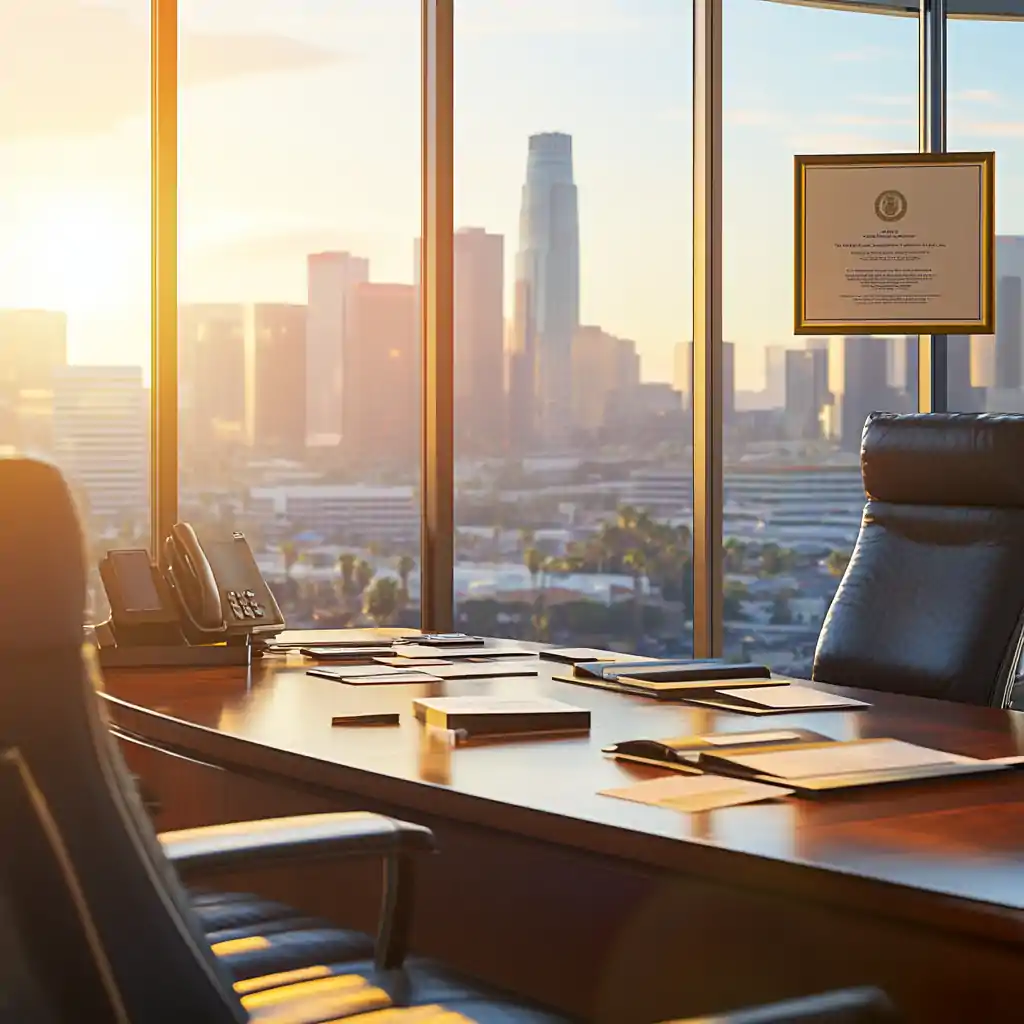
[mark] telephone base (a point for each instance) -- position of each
(181, 656)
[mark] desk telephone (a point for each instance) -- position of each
(200, 594)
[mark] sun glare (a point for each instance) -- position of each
(78, 255)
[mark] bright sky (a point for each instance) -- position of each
(300, 131)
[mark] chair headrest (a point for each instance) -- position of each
(974, 459)
(42, 559)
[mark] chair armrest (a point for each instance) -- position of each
(276, 841)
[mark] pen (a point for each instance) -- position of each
(382, 719)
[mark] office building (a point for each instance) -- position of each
(521, 371)
(806, 383)
(330, 277)
(211, 378)
(354, 512)
(775, 376)
(101, 432)
(901, 370)
(682, 369)
(1008, 337)
(601, 364)
(479, 265)
(548, 268)
(380, 374)
(965, 392)
(275, 379)
(858, 385)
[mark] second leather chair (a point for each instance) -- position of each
(932, 602)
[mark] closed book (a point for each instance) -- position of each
(639, 673)
(497, 716)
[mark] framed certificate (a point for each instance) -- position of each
(895, 244)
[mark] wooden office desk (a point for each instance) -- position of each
(613, 910)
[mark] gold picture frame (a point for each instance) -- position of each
(889, 207)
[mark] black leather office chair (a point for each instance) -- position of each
(932, 601)
(50, 938)
(159, 955)
(848, 1006)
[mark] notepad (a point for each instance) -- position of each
(489, 670)
(396, 677)
(767, 700)
(573, 655)
(843, 765)
(835, 758)
(406, 663)
(474, 654)
(692, 793)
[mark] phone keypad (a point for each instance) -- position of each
(244, 605)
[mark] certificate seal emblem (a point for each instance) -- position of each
(891, 206)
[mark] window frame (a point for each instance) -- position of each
(437, 460)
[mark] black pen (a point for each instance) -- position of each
(381, 719)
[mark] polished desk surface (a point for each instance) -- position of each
(949, 853)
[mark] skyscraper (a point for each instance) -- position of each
(330, 278)
(548, 284)
(806, 392)
(858, 382)
(381, 373)
(775, 375)
(101, 439)
(211, 360)
(601, 366)
(275, 379)
(479, 341)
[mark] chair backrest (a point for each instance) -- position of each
(52, 964)
(932, 601)
(51, 714)
(845, 1006)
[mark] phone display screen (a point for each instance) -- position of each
(135, 581)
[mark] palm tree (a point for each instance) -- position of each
(364, 573)
(636, 563)
(533, 559)
(406, 564)
(346, 569)
(381, 600)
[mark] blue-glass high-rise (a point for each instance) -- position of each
(547, 295)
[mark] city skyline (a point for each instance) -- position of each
(250, 215)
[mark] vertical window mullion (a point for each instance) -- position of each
(437, 466)
(164, 264)
(707, 398)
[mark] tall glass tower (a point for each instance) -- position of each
(547, 294)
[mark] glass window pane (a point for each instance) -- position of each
(985, 372)
(793, 494)
(75, 257)
(573, 309)
(299, 348)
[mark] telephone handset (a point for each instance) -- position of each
(189, 572)
(219, 587)
(203, 593)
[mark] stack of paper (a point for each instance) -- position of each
(774, 700)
